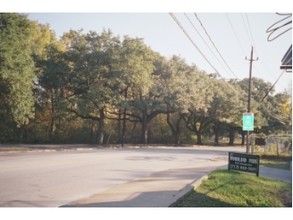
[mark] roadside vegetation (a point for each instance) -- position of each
(278, 162)
(100, 88)
(235, 189)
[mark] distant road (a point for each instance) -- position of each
(55, 178)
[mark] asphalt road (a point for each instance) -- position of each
(53, 179)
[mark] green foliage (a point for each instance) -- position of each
(17, 72)
(234, 189)
(87, 86)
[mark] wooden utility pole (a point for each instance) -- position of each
(248, 150)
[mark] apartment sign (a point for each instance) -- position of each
(244, 162)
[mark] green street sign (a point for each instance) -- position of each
(247, 121)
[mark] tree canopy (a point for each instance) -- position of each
(101, 88)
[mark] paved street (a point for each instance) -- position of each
(56, 178)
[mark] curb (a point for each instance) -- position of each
(188, 189)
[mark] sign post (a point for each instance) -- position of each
(247, 125)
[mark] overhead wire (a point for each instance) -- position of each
(235, 34)
(204, 41)
(272, 86)
(251, 39)
(256, 49)
(215, 45)
(250, 35)
(247, 30)
(265, 67)
(190, 39)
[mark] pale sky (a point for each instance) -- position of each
(232, 33)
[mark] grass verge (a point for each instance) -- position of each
(234, 189)
(278, 162)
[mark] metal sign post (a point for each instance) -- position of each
(249, 95)
(247, 125)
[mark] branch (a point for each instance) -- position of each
(78, 114)
(170, 124)
(138, 119)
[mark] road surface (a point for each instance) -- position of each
(56, 178)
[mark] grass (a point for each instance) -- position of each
(278, 162)
(285, 165)
(234, 189)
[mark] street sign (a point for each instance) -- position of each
(247, 121)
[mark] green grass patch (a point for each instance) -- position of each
(275, 164)
(278, 162)
(234, 189)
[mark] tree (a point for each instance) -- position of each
(140, 102)
(285, 109)
(52, 83)
(278, 113)
(17, 70)
(261, 97)
(42, 37)
(227, 107)
(197, 96)
(181, 85)
(93, 79)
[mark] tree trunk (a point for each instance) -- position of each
(92, 132)
(100, 134)
(198, 137)
(145, 129)
(175, 129)
(124, 120)
(243, 138)
(177, 138)
(133, 132)
(123, 128)
(52, 127)
(21, 132)
(119, 137)
(216, 133)
(231, 136)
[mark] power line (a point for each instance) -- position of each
(204, 41)
(256, 50)
(215, 45)
(184, 31)
(246, 30)
(234, 32)
(265, 66)
(272, 86)
(249, 29)
(251, 36)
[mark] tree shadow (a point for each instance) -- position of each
(199, 200)
(143, 193)
(155, 199)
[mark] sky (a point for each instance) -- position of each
(233, 34)
(234, 27)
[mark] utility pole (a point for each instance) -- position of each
(248, 150)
